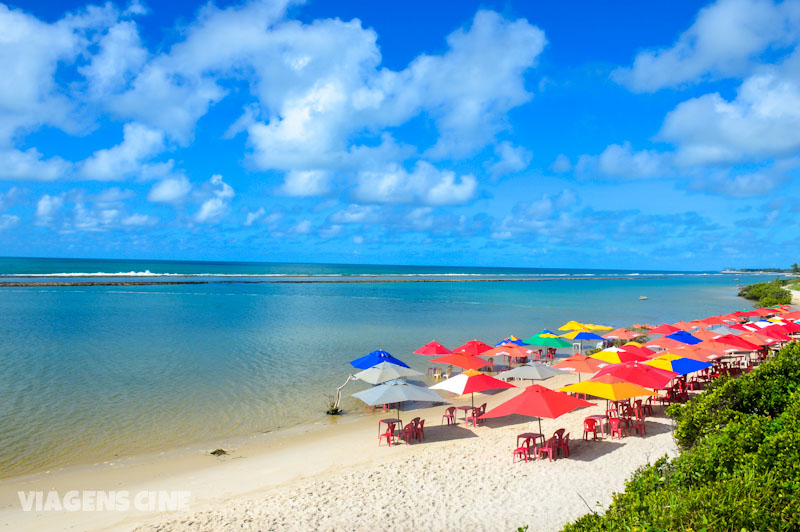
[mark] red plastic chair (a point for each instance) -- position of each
(637, 424)
(408, 433)
(449, 415)
(559, 434)
(548, 448)
(523, 452)
(647, 406)
(419, 430)
(388, 434)
(563, 444)
(589, 425)
(476, 413)
(617, 427)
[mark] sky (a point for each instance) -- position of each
(584, 134)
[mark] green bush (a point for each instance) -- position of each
(767, 294)
(739, 468)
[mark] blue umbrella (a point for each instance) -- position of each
(684, 337)
(375, 358)
(510, 340)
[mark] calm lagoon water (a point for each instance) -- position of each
(90, 372)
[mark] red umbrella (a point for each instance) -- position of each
(705, 335)
(790, 327)
(793, 315)
(621, 334)
(776, 331)
(636, 350)
(698, 352)
(759, 339)
(682, 325)
(508, 350)
(471, 382)
(663, 343)
(538, 401)
(472, 348)
(736, 341)
(715, 320)
(641, 374)
(664, 328)
(580, 364)
(462, 361)
(432, 348)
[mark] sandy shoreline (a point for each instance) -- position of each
(336, 478)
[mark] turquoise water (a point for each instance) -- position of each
(91, 372)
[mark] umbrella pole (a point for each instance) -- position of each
(540, 425)
(473, 399)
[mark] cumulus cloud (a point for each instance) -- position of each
(726, 39)
(30, 165)
(252, 217)
(424, 184)
(170, 190)
(47, 207)
(622, 162)
(304, 183)
(139, 144)
(138, 220)
(7, 221)
(217, 206)
(762, 121)
(561, 164)
(510, 159)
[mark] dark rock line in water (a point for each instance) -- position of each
(28, 284)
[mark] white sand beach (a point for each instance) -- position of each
(335, 477)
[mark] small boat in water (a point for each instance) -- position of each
(642, 298)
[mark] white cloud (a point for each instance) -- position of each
(726, 39)
(303, 183)
(302, 228)
(7, 221)
(29, 165)
(138, 220)
(170, 190)
(510, 159)
(622, 162)
(138, 145)
(47, 207)
(561, 164)
(762, 121)
(354, 213)
(121, 55)
(216, 207)
(253, 216)
(425, 184)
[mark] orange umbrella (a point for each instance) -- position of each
(508, 350)
(663, 343)
(580, 364)
(621, 334)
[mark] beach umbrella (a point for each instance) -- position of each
(595, 327)
(761, 339)
(582, 335)
(532, 371)
(736, 341)
(778, 332)
(683, 337)
(678, 364)
(462, 361)
(719, 330)
(572, 326)
(621, 334)
(397, 392)
(617, 357)
(664, 328)
(510, 351)
(790, 327)
(715, 320)
(510, 340)
(547, 341)
(385, 371)
(546, 332)
(472, 348)
(641, 374)
(637, 350)
(538, 401)
(375, 358)
(580, 364)
(698, 352)
(471, 382)
(682, 325)
(608, 387)
(431, 349)
(663, 343)
(706, 335)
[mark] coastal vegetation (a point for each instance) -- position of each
(768, 293)
(739, 467)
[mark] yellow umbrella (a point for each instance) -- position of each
(593, 327)
(572, 326)
(636, 344)
(608, 387)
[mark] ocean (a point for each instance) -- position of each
(93, 372)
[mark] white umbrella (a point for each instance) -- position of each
(397, 392)
(385, 371)
(532, 371)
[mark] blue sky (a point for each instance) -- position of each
(545, 134)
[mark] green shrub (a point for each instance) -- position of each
(767, 294)
(739, 468)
